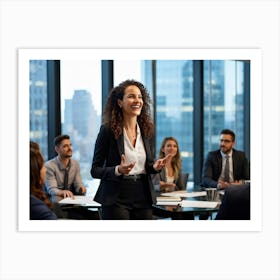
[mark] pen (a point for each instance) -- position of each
(177, 207)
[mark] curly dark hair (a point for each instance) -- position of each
(36, 164)
(113, 116)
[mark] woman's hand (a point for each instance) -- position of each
(125, 168)
(160, 163)
(167, 187)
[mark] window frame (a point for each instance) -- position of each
(54, 108)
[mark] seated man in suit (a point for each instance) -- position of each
(226, 166)
(235, 204)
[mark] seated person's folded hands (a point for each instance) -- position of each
(167, 187)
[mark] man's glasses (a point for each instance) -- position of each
(225, 141)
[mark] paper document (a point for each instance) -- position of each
(184, 194)
(167, 203)
(80, 199)
(168, 198)
(174, 194)
(199, 204)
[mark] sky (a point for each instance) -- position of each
(86, 75)
(81, 75)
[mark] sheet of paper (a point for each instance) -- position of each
(174, 194)
(80, 199)
(199, 204)
(166, 203)
(168, 198)
(184, 194)
(194, 194)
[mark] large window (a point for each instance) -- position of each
(223, 101)
(81, 108)
(124, 70)
(174, 106)
(219, 89)
(38, 108)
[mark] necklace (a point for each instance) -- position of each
(130, 134)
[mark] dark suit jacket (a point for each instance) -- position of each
(235, 204)
(107, 155)
(213, 167)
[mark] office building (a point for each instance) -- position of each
(191, 100)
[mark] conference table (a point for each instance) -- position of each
(185, 208)
(182, 205)
(82, 203)
(186, 205)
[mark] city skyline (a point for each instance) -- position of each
(86, 75)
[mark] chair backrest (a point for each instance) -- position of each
(185, 177)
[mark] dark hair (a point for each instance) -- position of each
(113, 116)
(230, 132)
(176, 161)
(58, 139)
(34, 146)
(36, 164)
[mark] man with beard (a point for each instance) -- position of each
(63, 173)
(63, 179)
(226, 166)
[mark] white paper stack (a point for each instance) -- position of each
(80, 200)
(168, 200)
(184, 194)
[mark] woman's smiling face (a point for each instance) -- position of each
(170, 147)
(132, 101)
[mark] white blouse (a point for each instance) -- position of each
(134, 154)
(169, 179)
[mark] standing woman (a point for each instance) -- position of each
(122, 155)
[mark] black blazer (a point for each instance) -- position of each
(213, 167)
(107, 155)
(235, 204)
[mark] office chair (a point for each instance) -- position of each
(184, 178)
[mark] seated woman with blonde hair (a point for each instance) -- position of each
(170, 178)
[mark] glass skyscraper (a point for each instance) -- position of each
(174, 96)
(38, 119)
(171, 87)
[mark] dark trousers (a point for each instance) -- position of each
(121, 212)
(134, 202)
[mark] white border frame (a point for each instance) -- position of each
(25, 55)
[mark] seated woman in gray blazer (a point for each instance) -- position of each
(170, 178)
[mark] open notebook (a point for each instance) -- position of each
(80, 200)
